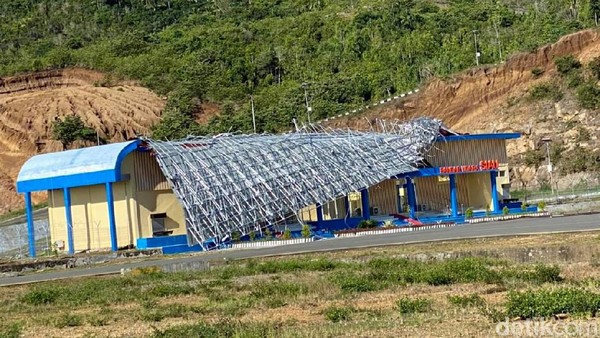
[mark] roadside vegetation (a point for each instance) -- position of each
(322, 295)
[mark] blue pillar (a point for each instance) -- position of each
(412, 201)
(398, 199)
(30, 229)
(111, 217)
(67, 198)
(453, 196)
(495, 204)
(319, 213)
(364, 199)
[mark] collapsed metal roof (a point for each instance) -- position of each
(231, 182)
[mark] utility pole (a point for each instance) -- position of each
(547, 141)
(476, 49)
(253, 116)
(308, 107)
(498, 41)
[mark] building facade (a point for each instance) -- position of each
(459, 172)
(113, 196)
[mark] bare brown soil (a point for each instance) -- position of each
(30, 103)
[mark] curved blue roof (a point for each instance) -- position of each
(74, 168)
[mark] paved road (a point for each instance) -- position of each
(40, 214)
(515, 227)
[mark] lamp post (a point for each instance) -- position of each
(253, 116)
(308, 107)
(547, 141)
(476, 49)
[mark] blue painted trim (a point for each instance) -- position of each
(412, 201)
(494, 192)
(435, 171)
(453, 196)
(30, 228)
(71, 181)
(494, 136)
(69, 217)
(364, 200)
(398, 199)
(111, 217)
(81, 179)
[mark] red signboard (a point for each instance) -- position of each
(482, 166)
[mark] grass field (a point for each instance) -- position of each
(381, 292)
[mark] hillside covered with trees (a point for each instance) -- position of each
(345, 52)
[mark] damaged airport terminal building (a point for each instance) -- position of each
(193, 194)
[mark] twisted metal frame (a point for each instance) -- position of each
(242, 183)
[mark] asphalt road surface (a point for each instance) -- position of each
(506, 228)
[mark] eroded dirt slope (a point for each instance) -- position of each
(30, 103)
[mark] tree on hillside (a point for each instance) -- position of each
(175, 125)
(72, 128)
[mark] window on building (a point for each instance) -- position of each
(159, 224)
(502, 173)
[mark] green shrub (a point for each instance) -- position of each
(594, 67)
(588, 96)
(469, 213)
(523, 207)
(71, 128)
(252, 236)
(236, 236)
(567, 64)
(224, 328)
(583, 135)
(488, 210)
(287, 233)
(541, 205)
(544, 91)
(575, 79)
(100, 319)
(337, 314)
(306, 231)
(268, 234)
(42, 295)
(505, 211)
(537, 72)
(355, 283)
(468, 300)
(367, 224)
(68, 320)
(533, 157)
(416, 305)
(11, 330)
(546, 303)
(538, 274)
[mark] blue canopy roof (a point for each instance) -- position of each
(74, 168)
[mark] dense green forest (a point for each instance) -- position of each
(346, 52)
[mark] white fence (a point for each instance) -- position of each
(14, 241)
(262, 244)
